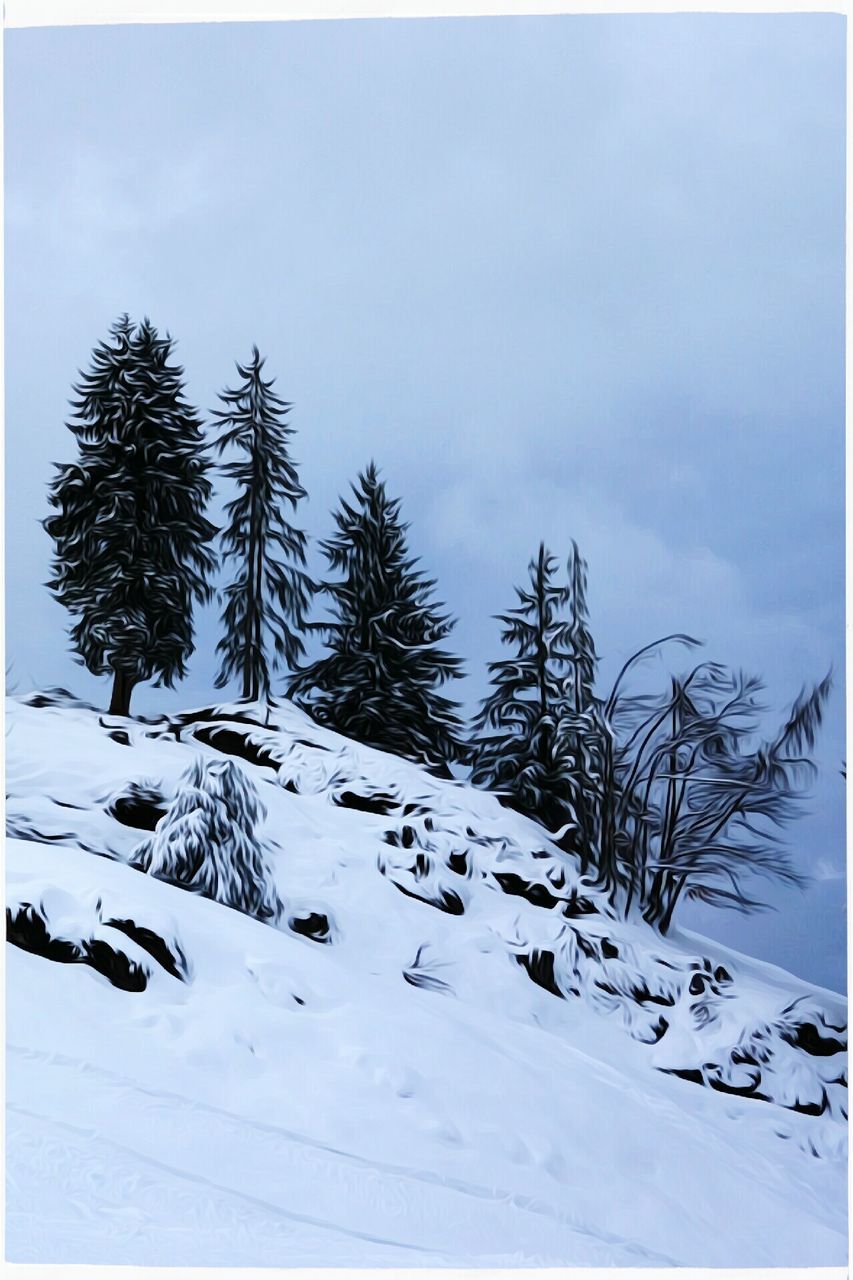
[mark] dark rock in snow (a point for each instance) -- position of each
(578, 905)
(533, 891)
(174, 962)
(115, 966)
(232, 743)
(140, 806)
(376, 803)
(315, 925)
(806, 1036)
(540, 969)
(458, 862)
(27, 928)
(443, 899)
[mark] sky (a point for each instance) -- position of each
(566, 277)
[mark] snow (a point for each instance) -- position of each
(399, 1093)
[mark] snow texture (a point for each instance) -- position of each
(445, 1050)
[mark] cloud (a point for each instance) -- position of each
(825, 871)
(94, 198)
(641, 584)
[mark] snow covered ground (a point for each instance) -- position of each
(444, 1053)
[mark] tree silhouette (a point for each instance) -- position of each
(266, 600)
(701, 800)
(518, 750)
(130, 536)
(379, 681)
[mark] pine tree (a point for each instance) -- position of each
(379, 681)
(206, 840)
(584, 660)
(266, 602)
(518, 750)
(581, 734)
(130, 535)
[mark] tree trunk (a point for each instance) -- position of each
(653, 908)
(606, 871)
(675, 894)
(123, 686)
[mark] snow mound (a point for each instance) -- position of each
(446, 1052)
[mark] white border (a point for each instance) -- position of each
(60, 13)
(40, 13)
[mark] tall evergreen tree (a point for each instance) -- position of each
(130, 536)
(266, 602)
(581, 734)
(379, 681)
(584, 660)
(518, 748)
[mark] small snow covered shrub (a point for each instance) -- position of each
(207, 842)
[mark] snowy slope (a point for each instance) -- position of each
(445, 1053)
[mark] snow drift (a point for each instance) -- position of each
(276, 998)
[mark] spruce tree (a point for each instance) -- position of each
(581, 732)
(518, 748)
(130, 536)
(584, 660)
(265, 603)
(380, 680)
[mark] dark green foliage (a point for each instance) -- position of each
(265, 603)
(519, 751)
(582, 737)
(380, 680)
(130, 535)
(580, 642)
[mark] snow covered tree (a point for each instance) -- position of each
(380, 680)
(206, 840)
(266, 601)
(518, 751)
(580, 735)
(130, 536)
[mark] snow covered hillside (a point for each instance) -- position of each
(438, 1049)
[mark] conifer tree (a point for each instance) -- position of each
(207, 841)
(581, 733)
(380, 680)
(584, 660)
(130, 536)
(518, 751)
(266, 601)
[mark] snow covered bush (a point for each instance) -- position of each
(206, 841)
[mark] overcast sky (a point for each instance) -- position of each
(572, 277)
